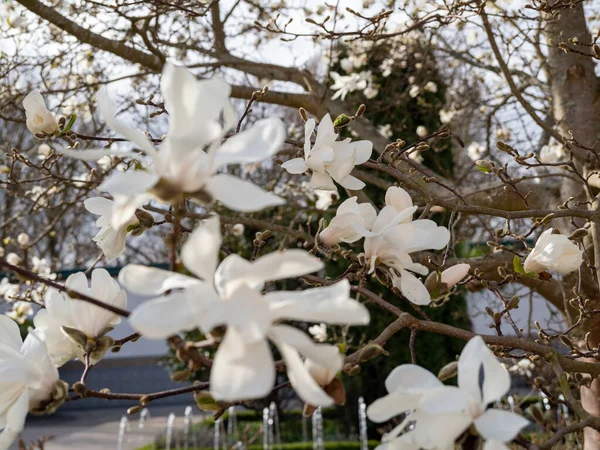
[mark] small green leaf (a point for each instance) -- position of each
(70, 124)
(532, 274)
(132, 227)
(483, 169)
(342, 348)
(341, 120)
(517, 266)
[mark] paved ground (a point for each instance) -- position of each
(97, 429)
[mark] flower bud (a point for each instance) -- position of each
(238, 229)
(23, 240)
(448, 371)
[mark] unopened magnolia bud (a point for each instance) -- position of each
(547, 219)
(303, 114)
(23, 240)
(206, 402)
(181, 375)
(14, 259)
(485, 165)
(146, 219)
(371, 351)
(354, 370)
(490, 311)
(448, 371)
(341, 120)
(578, 234)
(134, 409)
(513, 303)
(79, 388)
(238, 229)
(537, 414)
(360, 111)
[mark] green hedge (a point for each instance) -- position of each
(332, 445)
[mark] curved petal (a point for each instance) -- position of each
(151, 280)
(124, 209)
(257, 143)
(444, 400)
(200, 253)
(99, 205)
(494, 445)
(248, 312)
(391, 405)
(163, 316)
(138, 137)
(500, 425)
(295, 166)
(329, 304)
(9, 333)
(441, 430)
(240, 195)
(302, 381)
(412, 288)
(352, 183)
(363, 150)
(129, 183)
(325, 355)
(411, 377)
(241, 370)
(17, 413)
(92, 154)
(235, 270)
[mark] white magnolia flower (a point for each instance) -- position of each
(524, 367)
(475, 151)
(325, 198)
(23, 240)
(414, 90)
(370, 92)
(44, 151)
(553, 252)
(20, 312)
(318, 332)
(385, 130)
(344, 84)
(8, 291)
(322, 375)
(110, 239)
(182, 167)
(28, 380)
(229, 294)
(421, 131)
(442, 413)
(349, 221)
(330, 159)
(552, 153)
(93, 321)
(394, 236)
(39, 119)
(454, 274)
(430, 86)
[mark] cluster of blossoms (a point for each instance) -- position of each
(390, 237)
(232, 300)
(437, 415)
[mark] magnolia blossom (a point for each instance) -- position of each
(349, 221)
(330, 159)
(553, 252)
(394, 236)
(229, 294)
(182, 167)
(74, 328)
(552, 153)
(39, 119)
(20, 312)
(322, 375)
(443, 413)
(28, 380)
(475, 151)
(110, 239)
(454, 274)
(344, 84)
(318, 332)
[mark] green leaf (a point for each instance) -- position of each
(517, 266)
(70, 124)
(484, 169)
(532, 274)
(341, 120)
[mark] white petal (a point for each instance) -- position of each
(241, 370)
(302, 381)
(9, 333)
(500, 425)
(444, 400)
(200, 253)
(494, 445)
(138, 137)
(322, 181)
(295, 166)
(248, 312)
(391, 405)
(151, 280)
(352, 183)
(235, 270)
(15, 419)
(259, 142)
(99, 205)
(411, 377)
(329, 304)
(454, 274)
(163, 316)
(129, 183)
(440, 430)
(363, 151)
(92, 154)
(241, 195)
(398, 198)
(124, 209)
(412, 288)
(325, 355)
